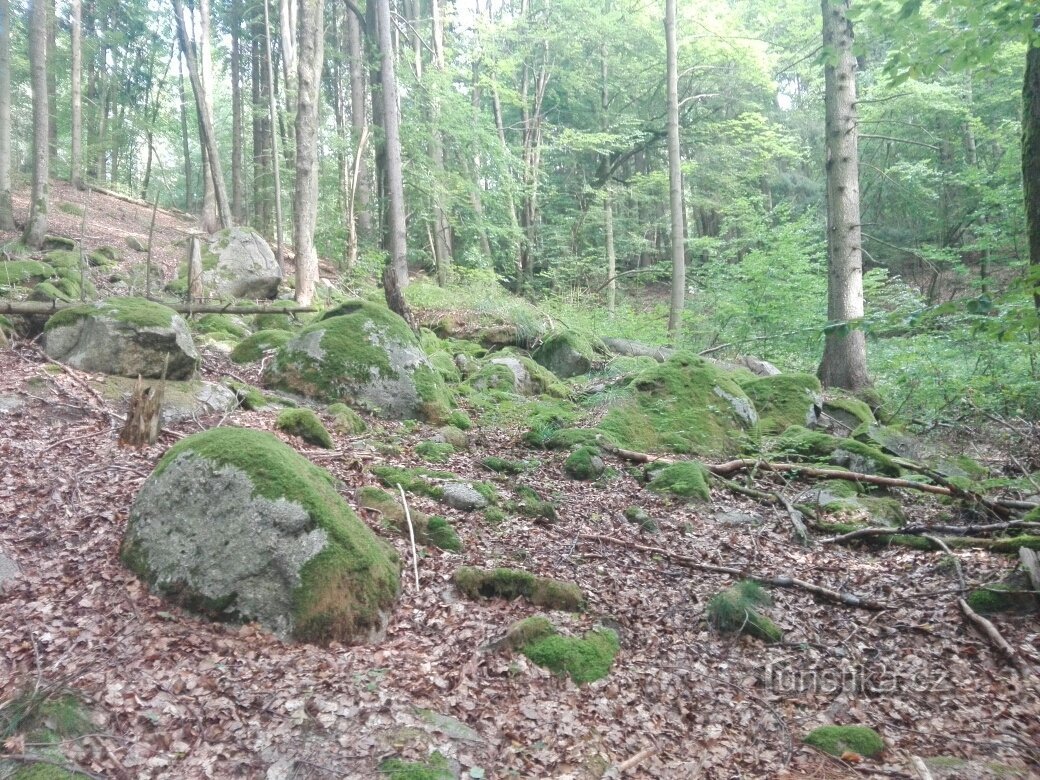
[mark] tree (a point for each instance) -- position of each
(76, 152)
(36, 228)
(1031, 158)
(311, 32)
(6, 211)
(675, 193)
(844, 362)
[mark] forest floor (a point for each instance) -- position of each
(175, 696)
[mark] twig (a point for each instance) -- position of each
(632, 761)
(992, 634)
(411, 537)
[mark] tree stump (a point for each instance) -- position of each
(143, 415)
(196, 292)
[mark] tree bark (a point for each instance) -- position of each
(216, 176)
(76, 153)
(844, 361)
(36, 228)
(362, 194)
(675, 191)
(185, 139)
(1031, 160)
(310, 55)
(6, 209)
(238, 209)
(52, 84)
(397, 237)
(441, 228)
(272, 112)
(214, 215)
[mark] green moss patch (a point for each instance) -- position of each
(735, 610)
(47, 292)
(442, 534)
(838, 740)
(435, 530)
(346, 588)
(418, 480)
(503, 466)
(566, 354)
(224, 326)
(530, 504)
(641, 518)
(22, 273)
(274, 321)
(583, 660)
(1013, 594)
(513, 583)
(569, 438)
(584, 463)
(305, 424)
(850, 411)
(136, 311)
(684, 405)
(434, 451)
(436, 768)
(784, 400)
(249, 398)
(460, 420)
(524, 632)
(822, 447)
(251, 349)
(346, 421)
(688, 479)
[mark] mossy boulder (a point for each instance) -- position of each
(688, 479)
(641, 518)
(1012, 594)
(684, 405)
(346, 421)
(503, 465)
(365, 355)
(736, 610)
(584, 463)
(784, 400)
(60, 290)
(182, 400)
(238, 263)
(844, 414)
(515, 583)
(235, 525)
(583, 660)
(524, 632)
(566, 354)
(435, 451)
(24, 273)
(800, 443)
(839, 740)
(305, 424)
(842, 498)
(569, 438)
(252, 348)
(274, 321)
(225, 327)
(122, 336)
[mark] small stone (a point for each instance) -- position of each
(9, 572)
(136, 244)
(462, 495)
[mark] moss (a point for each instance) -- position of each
(813, 445)
(49, 291)
(493, 515)
(583, 660)
(434, 451)
(305, 424)
(345, 420)
(584, 463)
(851, 406)
(688, 479)
(442, 534)
(838, 740)
(533, 505)
(568, 438)
(528, 630)
(487, 490)
(784, 400)
(415, 480)
(1014, 594)
(74, 209)
(436, 768)
(62, 259)
(736, 610)
(545, 418)
(345, 589)
(138, 311)
(252, 348)
(249, 398)
(544, 380)
(684, 405)
(460, 420)
(494, 376)
(272, 321)
(24, 272)
(639, 516)
(444, 364)
(567, 353)
(514, 583)
(221, 325)
(503, 466)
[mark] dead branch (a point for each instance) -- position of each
(1031, 564)
(992, 634)
(926, 532)
(781, 581)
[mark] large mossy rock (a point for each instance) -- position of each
(235, 525)
(566, 354)
(238, 263)
(367, 356)
(182, 400)
(783, 400)
(124, 337)
(684, 405)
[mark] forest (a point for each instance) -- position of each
(432, 389)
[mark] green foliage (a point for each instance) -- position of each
(137, 311)
(503, 466)
(583, 660)
(837, 740)
(442, 534)
(736, 610)
(434, 452)
(436, 768)
(345, 420)
(784, 400)
(305, 424)
(513, 583)
(531, 504)
(584, 463)
(688, 479)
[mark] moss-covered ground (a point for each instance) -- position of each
(583, 660)
(513, 583)
(305, 424)
(838, 740)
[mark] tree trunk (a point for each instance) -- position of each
(214, 215)
(52, 85)
(216, 176)
(310, 55)
(1031, 161)
(36, 228)
(358, 122)
(6, 209)
(275, 159)
(185, 139)
(238, 209)
(844, 361)
(675, 191)
(76, 153)
(441, 228)
(394, 166)
(143, 414)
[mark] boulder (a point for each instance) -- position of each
(9, 572)
(783, 400)
(136, 243)
(236, 526)
(238, 263)
(182, 401)
(122, 336)
(461, 495)
(566, 354)
(364, 355)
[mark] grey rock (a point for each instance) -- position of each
(9, 572)
(9, 404)
(737, 518)
(631, 348)
(239, 263)
(521, 378)
(462, 495)
(181, 400)
(757, 366)
(136, 244)
(742, 407)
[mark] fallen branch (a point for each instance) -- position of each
(992, 634)
(998, 544)
(782, 581)
(28, 308)
(411, 537)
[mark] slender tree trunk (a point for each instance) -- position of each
(287, 41)
(844, 361)
(398, 261)
(185, 138)
(52, 84)
(214, 216)
(6, 209)
(441, 228)
(310, 56)
(238, 209)
(675, 188)
(76, 154)
(1031, 160)
(101, 151)
(272, 112)
(608, 206)
(262, 184)
(36, 228)
(358, 123)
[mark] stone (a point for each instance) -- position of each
(9, 572)
(463, 496)
(137, 244)
(238, 263)
(124, 337)
(236, 526)
(366, 356)
(182, 401)
(566, 354)
(783, 400)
